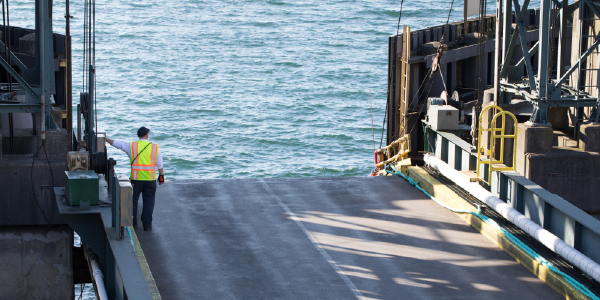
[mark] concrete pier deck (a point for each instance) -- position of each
(322, 238)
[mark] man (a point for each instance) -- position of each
(144, 158)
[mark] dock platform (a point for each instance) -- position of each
(322, 238)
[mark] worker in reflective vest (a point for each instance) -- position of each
(144, 158)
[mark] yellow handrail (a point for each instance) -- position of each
(403, 146)
(489, 151)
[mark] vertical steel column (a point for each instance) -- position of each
(544, 31)
(78, 127)
(392, 90)
(69, 83)
(562, 42)
(45, 44)
(91, 143)
(506, 33)
(497, 52)
(540, 113)
(465, 22)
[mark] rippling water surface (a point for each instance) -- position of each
(234, 89)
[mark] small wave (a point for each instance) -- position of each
(288, 64)
(279, 3)
(264, 24)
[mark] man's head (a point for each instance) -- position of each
(143, 132)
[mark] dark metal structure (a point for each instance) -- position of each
(548, 84)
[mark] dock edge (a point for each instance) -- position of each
(450, 198)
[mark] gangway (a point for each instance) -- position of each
(322, 238)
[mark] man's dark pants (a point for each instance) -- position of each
(148, 190)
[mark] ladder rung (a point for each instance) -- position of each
(486, 160)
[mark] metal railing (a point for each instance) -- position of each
(563, 219)
(495, 133)
(397, 150)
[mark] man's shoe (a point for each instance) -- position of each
(148, 229)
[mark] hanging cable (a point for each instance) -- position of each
(400, 17)
(428, 81)
(52, 180)
(444, 83)
(94, 64)
(33, 187)
(8, 45)
(82, 286)
(447, 20)
(5, 39)
(83, 73)
(429, 78)
(386, 103)
(383, 125)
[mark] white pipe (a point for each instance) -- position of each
(545, 237)
(99, 279)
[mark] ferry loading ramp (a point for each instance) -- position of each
(322, 238)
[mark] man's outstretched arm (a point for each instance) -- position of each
(125, 147)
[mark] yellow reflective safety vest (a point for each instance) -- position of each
(144, 165)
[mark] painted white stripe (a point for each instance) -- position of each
(326, 256)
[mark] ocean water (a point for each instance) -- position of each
(237, 89)
(249, 88)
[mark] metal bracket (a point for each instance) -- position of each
(539, 115)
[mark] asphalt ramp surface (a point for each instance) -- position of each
(322, 238)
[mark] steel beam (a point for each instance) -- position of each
(562, 40)
(576, 65)
(531, 52)
(45, 44)
(521, 29)
(544, 48)
(19, 79)
(20, 108)
(513, 41)
(13, 57)
(506, 32)
(497, 53)
(592, 7)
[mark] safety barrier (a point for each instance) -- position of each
(551, 212)
(397, 150)
(495, 133)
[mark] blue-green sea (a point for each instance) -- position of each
(246, 88)
(235, 89)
